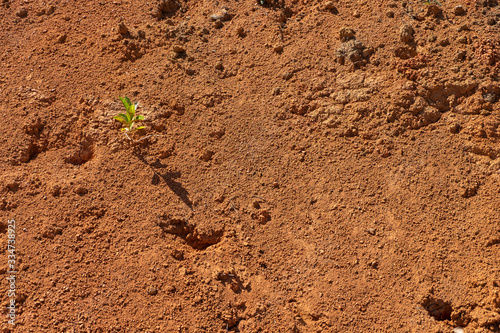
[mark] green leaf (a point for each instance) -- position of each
(125, 116)
(125, 101)
(122, 118)
(138, 118)
(131, 112)
(140, 127)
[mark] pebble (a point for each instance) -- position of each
(346, 34)
(264, 217)
(13, 186)
(406, 33)
(222, 15)
(218, 24)
(287, 75)
(434, 11)
(241, 32)
(152, 291)
(61, 38)
(22, 12)
(122, 29)
(329, 5)
(459, 10)
(80, 190)
(460, 56)
(178, 49)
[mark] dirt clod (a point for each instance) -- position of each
(406, 33)
(346, 34)
(22, 13)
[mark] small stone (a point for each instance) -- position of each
(389, 14)
(460, 56)
(470, 190)
(329, 5)
(434, 11)
(178, 49)
(371, 231)
(406, 33)
(13, 186)
(454, 128)
(61, 38)
(241, 32)
(22, 12)
(459, 10)
(287, 75)
(222, 15)
(122, 29)
(80, 190)
(463, 40)
(444, 42)
(356, 14)
(177, 254)
(346, 34)
(207, 155)
(190, 71)
(152, 291)
(235, 286)
(219, 65)
(278, 48)
(165, 7)
(218, 24)
(491, 21)
(50, 10)
(264, 217)
(55, 190)
(490, 97)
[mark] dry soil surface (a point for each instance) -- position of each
(306, 166)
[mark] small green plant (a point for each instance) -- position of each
(129, 118)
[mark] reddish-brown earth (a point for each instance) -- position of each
(315, 166)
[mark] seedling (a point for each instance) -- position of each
(129, 118)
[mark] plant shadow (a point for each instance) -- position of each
(169, 179)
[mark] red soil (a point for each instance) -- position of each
(314, 166)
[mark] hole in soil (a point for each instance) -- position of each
(189, 233)
(82, 155)
(437, 308)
